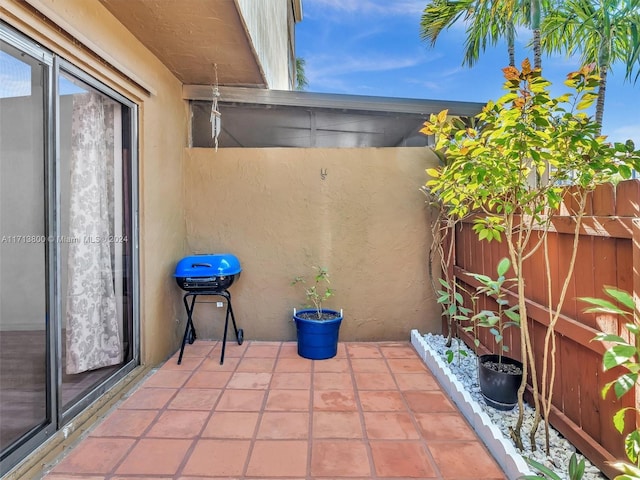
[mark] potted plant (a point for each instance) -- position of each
(499, 376)
(317, 328)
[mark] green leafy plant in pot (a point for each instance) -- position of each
(499, 376)
(317, 328)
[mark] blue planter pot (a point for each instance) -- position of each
(317, 339)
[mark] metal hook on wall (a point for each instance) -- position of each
(323, 173)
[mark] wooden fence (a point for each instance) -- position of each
(608, 255)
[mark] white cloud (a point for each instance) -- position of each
(325, 66)
(366, 7)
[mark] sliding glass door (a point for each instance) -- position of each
(24, 400)
(68, 275)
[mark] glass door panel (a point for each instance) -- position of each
(95, 246)
(23, 248)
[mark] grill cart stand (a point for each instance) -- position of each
(190, 331)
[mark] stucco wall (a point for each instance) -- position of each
(367, 222)
(163, 135)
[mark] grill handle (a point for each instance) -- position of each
(195, 265)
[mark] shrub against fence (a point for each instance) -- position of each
(608, 255)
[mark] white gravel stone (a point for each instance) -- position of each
(464, 368)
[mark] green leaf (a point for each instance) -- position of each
(624, 383)
(625, 298)
(609, 337)
(618, 355)
(576, 469)
(541, 468)
(618, 419)
(632, 446)
(503, 266)
(602, 306)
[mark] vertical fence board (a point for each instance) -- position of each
(604, 200)
(590, 366)
(584, 275)
(627, 195)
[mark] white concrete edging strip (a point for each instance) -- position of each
(500, 447)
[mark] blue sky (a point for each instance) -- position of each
(373, 47)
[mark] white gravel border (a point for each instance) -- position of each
(500, 447)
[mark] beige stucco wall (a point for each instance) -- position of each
(366, 221)
(163, 135)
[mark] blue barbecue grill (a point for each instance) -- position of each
(207, 274)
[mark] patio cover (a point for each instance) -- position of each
(258, 118)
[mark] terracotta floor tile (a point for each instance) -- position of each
(337, 365)
(65, 476)
(332, 381)
(95, 456)
(288, 400)
(340, 353)
(382, 401)
(125, 423)
(213, 364)
(235, 425)
(403, 459)
(149, 398)
(291, 381)
(390, 426)
(375, 381)
(297, 364)
(208, 379)
(241, 400)
(278, 458)
(334, 400)
(340, 458)
(398, 351)
(178, 424)
(168, 378)
(429, 401)
(447, 456)
(127, 477)
(407, 365)
(256, 365)
(444, 426)
(232, 350)
(249, 381)
(195, 399)
(217, 458)
(188, 363)
(288, 350)
(284, 425)
(371, 365)
(198, 349)
(416, 381)
(362, 350)
(155, 456)
(337, 425)
(262, 350)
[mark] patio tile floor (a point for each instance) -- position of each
(372, 412)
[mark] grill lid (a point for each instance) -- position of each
(208, 265)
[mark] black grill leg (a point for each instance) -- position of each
(226, 324)
(189, 309)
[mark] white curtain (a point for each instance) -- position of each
(92, 320)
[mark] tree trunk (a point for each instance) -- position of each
(602, 90)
